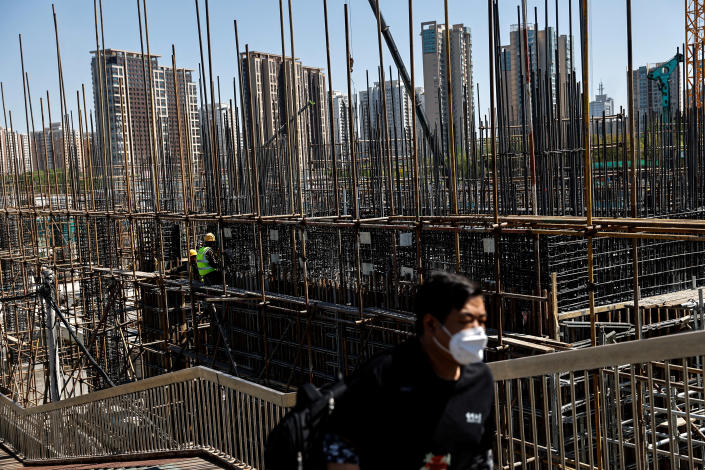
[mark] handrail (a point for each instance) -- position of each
(182, 412)
(192, 373)
(631, 352)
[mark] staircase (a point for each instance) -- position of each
(197, 414)
(9, 462)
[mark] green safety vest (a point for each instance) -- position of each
(204, 266)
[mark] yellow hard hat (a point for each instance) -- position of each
(210, 237)
(192, 252)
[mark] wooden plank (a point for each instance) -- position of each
(12, 339)
(663, 300)
(524, 344)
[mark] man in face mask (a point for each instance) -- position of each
(429, 402)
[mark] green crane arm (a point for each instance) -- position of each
(661, 75)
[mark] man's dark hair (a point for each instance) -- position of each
(441, 293)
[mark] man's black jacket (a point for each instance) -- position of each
(397, 413)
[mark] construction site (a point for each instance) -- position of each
(586, 233)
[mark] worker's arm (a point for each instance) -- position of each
(214, 260)
(342, 466)
(194, 272)
(178, 269)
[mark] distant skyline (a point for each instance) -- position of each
(657, 32)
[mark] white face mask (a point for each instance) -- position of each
(466, 346)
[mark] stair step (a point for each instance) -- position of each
(8, 462)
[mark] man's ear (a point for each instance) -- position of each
(429, 322)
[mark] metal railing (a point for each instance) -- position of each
(637, 404)
(192, 410)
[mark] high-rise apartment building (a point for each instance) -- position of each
(8, 150)
(224, 127)
(266, 76)
(24, 152)
(167, 111)
(5, 149)
(138, 121)
(543, 45)
(421, 97)
(341, 121)
(648, 97)
(54, 149)
(398, 111)
(435, 71)
(15, 156)
(226, 131)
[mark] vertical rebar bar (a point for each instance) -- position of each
(632, 159)
(493, 146)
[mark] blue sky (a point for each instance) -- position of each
(657, 29)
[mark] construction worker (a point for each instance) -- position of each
(208, 261)
(190, 265)
(193, 264)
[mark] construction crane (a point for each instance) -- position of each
(282, 128)
(694, 51)
(661, 75)
(399, 62)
